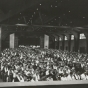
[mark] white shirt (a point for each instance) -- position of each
(69, 77)
(49, 79)
(86, 77)
(47, 72)
(60, 71)
(32, 80)
(2, 67)
(73, 78)
(63, 78)
(21, 80)
(14, 75)
(83, 77)
(68, 71)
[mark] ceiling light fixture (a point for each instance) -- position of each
(18, 19)
(34, 12)
(55, 6)
(37, 8)
(71, 22)
(40, 4)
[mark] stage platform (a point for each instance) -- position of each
(47, 84)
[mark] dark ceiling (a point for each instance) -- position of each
(42, 16)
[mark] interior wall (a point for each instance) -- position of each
(60, 45)
(29, 41)
(82, 45)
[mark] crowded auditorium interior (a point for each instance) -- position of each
(43, 41)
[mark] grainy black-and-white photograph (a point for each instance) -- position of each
(44, 43)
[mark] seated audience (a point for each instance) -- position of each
(31, 63)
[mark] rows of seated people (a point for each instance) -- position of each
(28, 64)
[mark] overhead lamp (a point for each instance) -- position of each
(51, 6)
(69, 11)
(40, 4)
(71, 22)
(20, 13)
(37, 8)
(21, 24)
(18, 19)
(34, 12)
(83, 17)
(55, 6)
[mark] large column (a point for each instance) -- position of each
(76, 42)
(86, 34)
(69, 43)
(51, 41)
(13, 41)
(42, 42)
(46, 42)
(63, 42)
(54, 43)
(58, 43)
(16, 42)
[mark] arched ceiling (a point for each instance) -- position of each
(42, 16)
